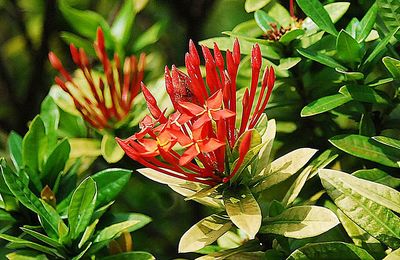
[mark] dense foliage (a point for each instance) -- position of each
(279, 138)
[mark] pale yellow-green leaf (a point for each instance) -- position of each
(110, 149)
(296, 187)
(254, 5)
(84, 147)
(115, 230)
(395, 255)
(88, 233)
(301, 222)
(284, 167)
(264, 154)
(207, 201)
(204, 232)
(229, 240)
(243, 209)
(376, 192)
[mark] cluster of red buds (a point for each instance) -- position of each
(108, 98)
(194, 142)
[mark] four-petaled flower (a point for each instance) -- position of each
(197, 141)
(104, 99)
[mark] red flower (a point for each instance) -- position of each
(192, 143)
(109, 97)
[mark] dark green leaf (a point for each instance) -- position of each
(14, 142)
(388, 141)
(327, 250)
(364, 94)
(321, 58)
(378, 176)
(136, 255)
(56, 162)
(324, 104)
(6, 217)
(366, 148)
(348, 49)
(315, 10)
(81, 208)
(366, 126)
(389, 11)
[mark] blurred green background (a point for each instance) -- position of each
(29, 29)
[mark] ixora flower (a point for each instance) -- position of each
(215, 147)
(104, 98)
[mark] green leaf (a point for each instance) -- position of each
(296, 187)
(225, 43)
(56, 162)
(335, 11)
(243, 209)
(381, 46)
(366, 148)
(253, 5)
(288, 63)
(284, 167)
(79, 42)
(301, 222)
(374, 218)
(280, 13)
(321, 58)
(348, 49)
(50, 116)
(88, 233)
(136, 255)
(34, 146)
(114, 231)
(110, 149)
(48, 240)
(248, 28)
(393, 66)
(29, 200)
(315, 10)
(6, 217)
(350, 75)
(122, 26)
(389, 12)
(264, 21)
(22, 243)
(81, 208)
(388, 141)
(366, 126)
(363, 94)
(378, 176)
(14, 142)
(110, 183)
(376, 192)
(366, 24)
(142, 220)
(327, 250)
(150, 36)
(393, 255)
(291, 35)
(324, 104)
(204, 232)
(86, 22)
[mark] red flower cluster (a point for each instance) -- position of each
(192, 142)
(109, 98)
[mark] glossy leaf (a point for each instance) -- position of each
(393, 66)
(366, 24)
(134, 255)
(81, 208)
(89, 230)
(253, 5)
(48, 240)
(14, 142)
(51, 117)
(122, 26)
(366, 148)
(110, 149)
(34, 146)
(291, 35)
(374, 218)
(300, 222)
(381, 46)
(324, 104)
(388, 141)
(327, 250)
(351, 75)
(348, 49)
(204, 232)
(150, 36)
(366, 126)
(378, 176)
(115, 230)
(56, 162)
(321, 58)
(288, 63)
(364, 94)
(315, 10)
(243, 209)
(389, 13)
